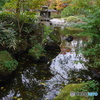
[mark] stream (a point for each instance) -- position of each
(44, 80)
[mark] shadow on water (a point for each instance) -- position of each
(43, 80)
(27, 83)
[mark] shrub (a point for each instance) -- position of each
(89, 86)
(7, 36)
(68, 11)
(36, 51)
(92, 29)
(7, 16)
(7, 63)
(12, 31)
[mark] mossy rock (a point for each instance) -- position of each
(75, 29)
(70, 31)
(7, 63)
(72, 19)
(65, 93)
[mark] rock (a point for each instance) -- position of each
(52, 47)
(72, 19)
(69, 38)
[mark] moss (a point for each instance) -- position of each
(70, 31)
(7, 63)
(65, 93)
(72, 19)
(75, 29)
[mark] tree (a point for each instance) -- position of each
(57, 4)
(20, 6)
(91, 10)
(92, 29)
(79, 7)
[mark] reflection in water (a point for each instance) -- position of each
(28, 83)
(11, 95)
(43, 81)
(61, 66)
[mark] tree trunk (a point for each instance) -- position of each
(18, 7)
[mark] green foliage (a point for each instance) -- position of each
(9, 31)
(27, 18)
(65, 93)
(41, 35)
(2, 3)
(13, 32)
(46, 33)
(93, 54)
(7, 16)
(33, 40)
(10, 17)
(10, 65)
(89, 86)
(76, 7)
(25, 23)
(7, 36)
(36, 51)
(50, 35)
(40, 39)
(23, 5)
(18, 23)
(7, 63)
(68, 11)
(92, 29)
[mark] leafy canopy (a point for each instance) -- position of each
(24, 4)
(79, 7)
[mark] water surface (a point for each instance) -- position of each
(43, 80)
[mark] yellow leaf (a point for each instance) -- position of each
(15, 97)
(43, 84)
(20, 72)
(2, 88)
(19, 99)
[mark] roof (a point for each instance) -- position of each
(49, 10)
(52, 10)
(44, 6)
